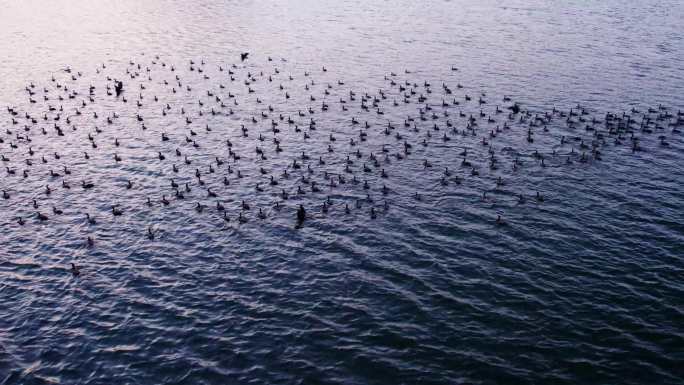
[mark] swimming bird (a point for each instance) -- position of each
(301, 214)
(75, 271)
(116, 211)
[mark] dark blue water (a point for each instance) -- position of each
(584, 287)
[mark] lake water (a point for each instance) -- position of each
(584, 287)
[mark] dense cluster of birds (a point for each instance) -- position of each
(204, 128)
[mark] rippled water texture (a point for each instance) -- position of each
(584, 287)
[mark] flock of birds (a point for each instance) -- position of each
(205, 128)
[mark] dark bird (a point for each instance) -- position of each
(301, 214)
(75, 270)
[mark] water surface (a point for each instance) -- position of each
(584, 288)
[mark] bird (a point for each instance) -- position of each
(301, 214)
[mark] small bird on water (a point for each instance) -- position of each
(301, 214)
(75, 270)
